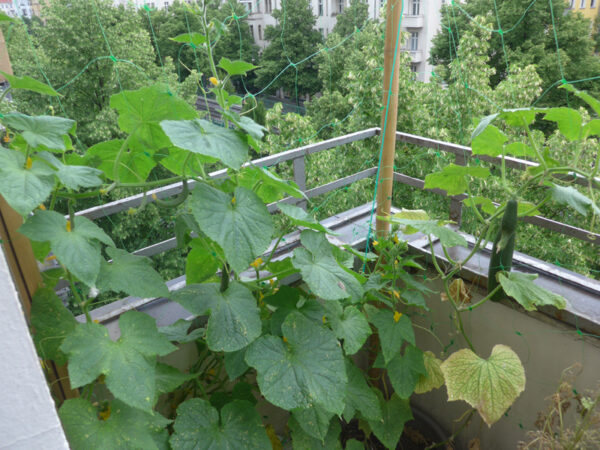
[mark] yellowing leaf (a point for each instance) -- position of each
(490, 386)
(434, 378)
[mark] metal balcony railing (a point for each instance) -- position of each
(589, 312)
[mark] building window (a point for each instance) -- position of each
(415, 7)
(582, 4)
(252, 31)
(593, 4)
(260, 32)
(166, 5)
(572, 4)
(247, 5)
(414, 41)
(268, 6)
(341, 6)
(322, 31)
(320, 7)
(414, 67)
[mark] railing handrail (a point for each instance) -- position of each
(297, 155)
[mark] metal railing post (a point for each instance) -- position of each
(299, 165)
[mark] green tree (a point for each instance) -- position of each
(292, 40)
(528, 38)
(354, 17)
(89, 50)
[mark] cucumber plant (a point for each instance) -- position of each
(257, 339)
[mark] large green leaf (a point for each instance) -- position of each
(52, 322)
(305, 367)
(29, 84)
(196, 39)
(394, 329)
(302, 218)
(396, 412)
(575, 199)
(519, 117)
(24, 189)
(270, 187)
(178, 332)
(521, 287)
(319, 269)
(5, 18)
(234, 320)
(447, 237)
(404, 371)
(202, 137)
(483, 124)
(40, 130)
(134, 167)
(199, 427)
(78, 248)
(245, 123)
(235, 364)
(453, 178)
(304, 441)
(349, 325)
(569, 121)
(489, 142)
(359, 396)
(128, 364)
(591, 101)
(131, 274)
(434, 378)
(169, 378)
(235, 67)
(241, 224)
(180, 162)
(490, 386)
(200, 265)
(141, 111)
(126, 428)
(314, 420)
(73, 177)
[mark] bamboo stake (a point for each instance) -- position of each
(389, 115)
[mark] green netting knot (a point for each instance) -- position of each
(518, 333)
(500, 31)
(477, 161)
(147, 154)
(466, 85)
(147, 8)
(112, 58)
(579, 332)
(563, 81)
(191, 44)
(1, 115)
(299, 139)
(575, 391)
(213, 253)
(433, 74)
(235, 17)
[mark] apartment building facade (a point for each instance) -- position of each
(421, 19)
(19, 8)
(589, 8)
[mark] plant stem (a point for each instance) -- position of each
(534, 146)
(224, 278)
(5, 93)
(480, 302)
(117, 162)
(456, 433)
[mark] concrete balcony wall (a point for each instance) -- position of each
(412, 21)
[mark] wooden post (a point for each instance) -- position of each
(23, 266)
(389, 115)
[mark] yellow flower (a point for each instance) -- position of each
(51, 258)
(104, 415)
(284, 339)
(395, 239)
(42, 207)
(96, 321)
(272, 281)
(256, 263)
(396, 294)
(214, 81)
(260, 296)
(28, 163)
(131, 211)
(154, 197)
(233, 201)
(324, 319)
(69, 226)
(6, 138)
(375, 243)
(397, 316)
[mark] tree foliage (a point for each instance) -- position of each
(292, 40)
(528, 37)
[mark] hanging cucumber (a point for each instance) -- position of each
(504, 246)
